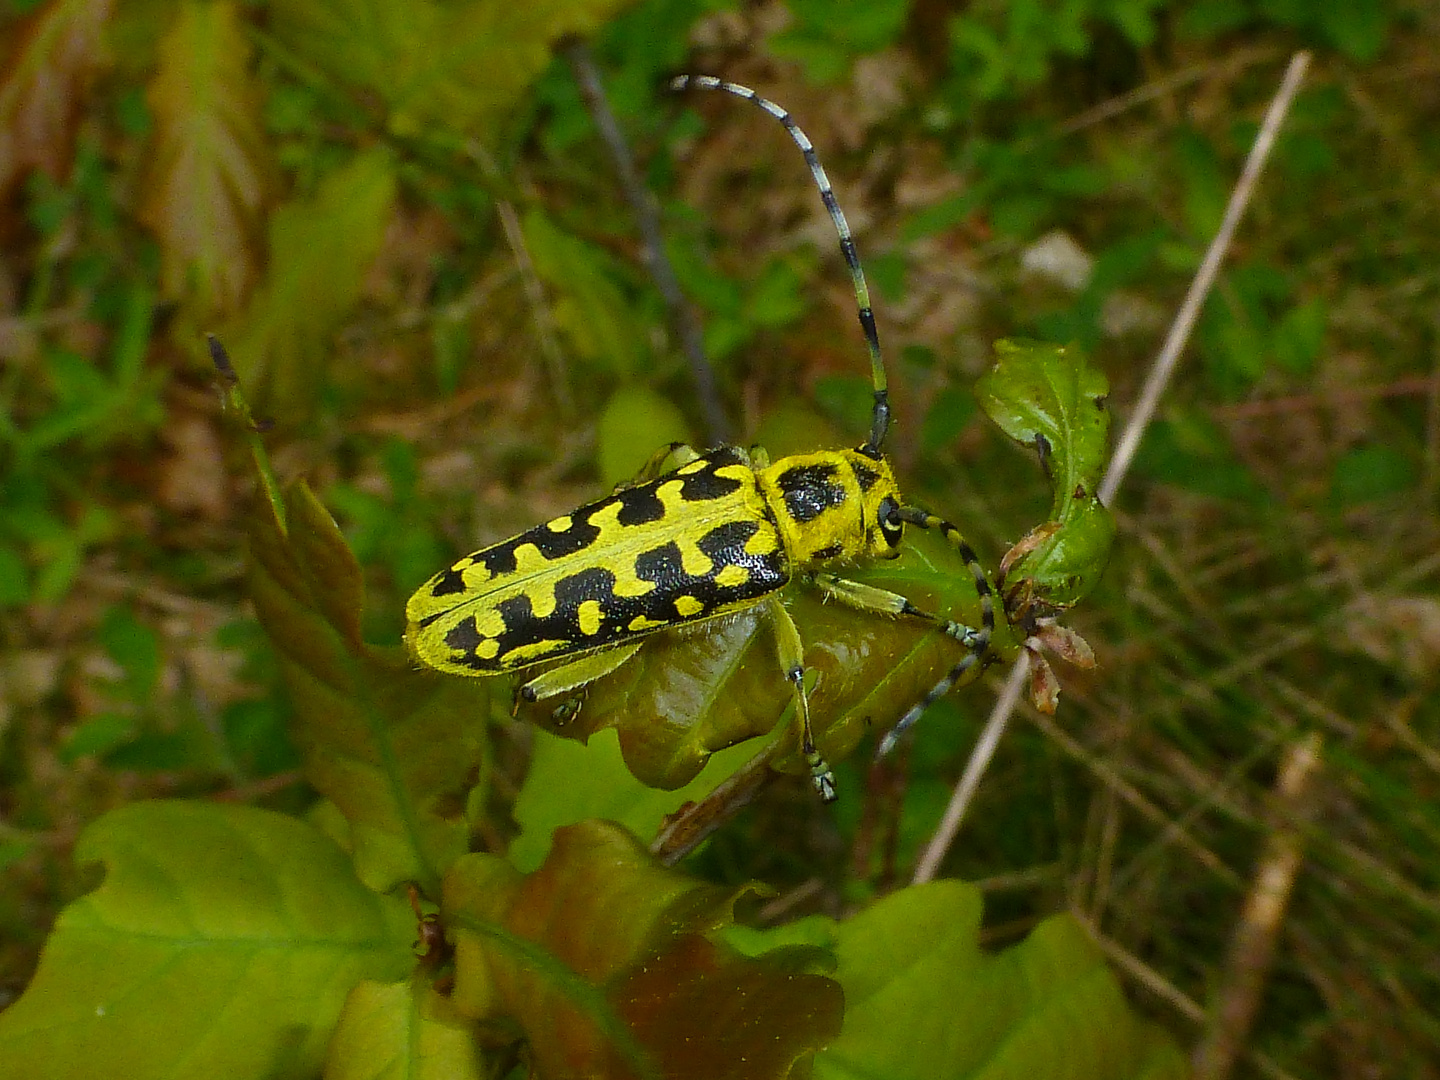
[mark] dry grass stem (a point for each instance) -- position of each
(1180, 330)
(1252, 949)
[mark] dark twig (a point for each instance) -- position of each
(692, 823)
(642, 204)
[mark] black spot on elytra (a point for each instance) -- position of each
(810, 490)
(639, 505)
(464, 637)
(500, 558)
(556, 545)
(824, 553)
(662, 565)
(705, 485)
(448, 583)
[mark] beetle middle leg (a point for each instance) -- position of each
(792, 664)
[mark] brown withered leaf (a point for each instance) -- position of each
(58, 54)
(601, 961)
(210, 175)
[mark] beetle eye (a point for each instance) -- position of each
(890, 523)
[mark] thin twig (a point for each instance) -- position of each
(642, 205)
(1169, 356)
(1252, 948)
(1155, 385)
(974, 769)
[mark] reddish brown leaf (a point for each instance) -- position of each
(210, 174)
(600, 960)
(58, 55)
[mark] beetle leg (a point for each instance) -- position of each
(575, 674)
(683, 453)
(792, 663)
(884, 602)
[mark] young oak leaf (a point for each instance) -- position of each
(923, 1000)
(60, 49)
(222, 942)
(1049, 398)
(210, 173)
(691, 692)
(600, 959)
(394, 747)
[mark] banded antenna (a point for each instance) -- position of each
(880, 413)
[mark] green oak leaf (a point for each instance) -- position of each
(1049, 398)
(568, 782)
(924, 1001)
(222, 942)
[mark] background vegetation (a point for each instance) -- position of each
(431, 280)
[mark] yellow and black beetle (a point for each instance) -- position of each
(720, 532)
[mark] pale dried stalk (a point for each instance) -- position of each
(1155, 383)
(1252, 949)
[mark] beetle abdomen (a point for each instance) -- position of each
(693, 544)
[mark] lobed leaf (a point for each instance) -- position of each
(1048, 397)
(691, 692)
(923, 999)
(320, 249)
(210, 172)
(600, 960)
(222, 942)
(396, 748)
(60, 50)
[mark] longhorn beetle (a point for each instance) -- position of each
(721, 532)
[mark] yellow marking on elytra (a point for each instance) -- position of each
(528, 559)
(535, 650)
(487, 649)
(693, 467)
(763, 542)
(489, 623)
(694, 561)
(688, 605)
(560, 524)
(473, 574)
(732, 575)
(589, 617)
(642, 622)
(627, 584)
(542, 602)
